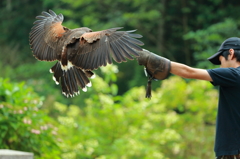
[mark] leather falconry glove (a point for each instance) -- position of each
(156, 67)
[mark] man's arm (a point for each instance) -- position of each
(189, 72)
(160, 67)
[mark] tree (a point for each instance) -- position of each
(208, 40)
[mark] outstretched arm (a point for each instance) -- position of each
(189, 72)
(159, 67)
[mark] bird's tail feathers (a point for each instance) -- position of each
(71, 78)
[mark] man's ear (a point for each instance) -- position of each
(231, 53)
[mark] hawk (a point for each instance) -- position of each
(79, 51)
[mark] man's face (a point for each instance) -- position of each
(224, 63)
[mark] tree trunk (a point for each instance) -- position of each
(185, 30)
(160, 29)
(9, 5)
(161, 46)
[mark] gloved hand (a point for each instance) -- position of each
(157, 67)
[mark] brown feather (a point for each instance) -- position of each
(96, 49)
(57, 30)
(45, 34)
(93, 36)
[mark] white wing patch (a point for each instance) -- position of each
(69, 65)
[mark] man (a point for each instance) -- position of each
(227, 77)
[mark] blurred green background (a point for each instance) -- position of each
(113, 120)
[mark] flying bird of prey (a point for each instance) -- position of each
(79, 51)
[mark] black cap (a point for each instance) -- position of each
(230, 43)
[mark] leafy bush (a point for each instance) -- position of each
(23, 125)
(175, 123)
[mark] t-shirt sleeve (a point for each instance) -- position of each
(224, 76)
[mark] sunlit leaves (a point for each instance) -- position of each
(23, 125)
(131, 126)
(128, 126)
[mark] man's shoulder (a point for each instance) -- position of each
(225, 70)
(225, 76)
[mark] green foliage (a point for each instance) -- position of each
(24, 126)
(16, 22)
(196, 103)
(208, 40)
(175, 123)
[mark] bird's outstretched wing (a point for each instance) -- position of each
(80, 50)
(45, 34)
(96, 49)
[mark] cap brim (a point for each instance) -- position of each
(215, 58)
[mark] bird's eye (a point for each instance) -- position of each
(90, 30)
